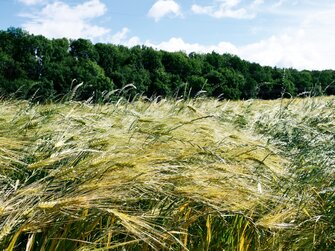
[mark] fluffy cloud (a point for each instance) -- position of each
(173, 44)
(297, 49)
(286, 50)
(178, 44)
(279, 3)
(121, 37)
(59, 19)
(225, 9)
(31, 2)
(164, 7)
(309, 46)
(258, 2)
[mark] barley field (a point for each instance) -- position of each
(197, 174)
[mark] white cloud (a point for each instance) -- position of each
(59, 19)
(31, 2)
(284, 50)
(173, 44)
(258, 2)
(121, 37)
(279, 3)
(178, 44)
(309, 46)
(297, 49)
(164, 7)
(225, 9)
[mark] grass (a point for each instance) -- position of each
(199, 174)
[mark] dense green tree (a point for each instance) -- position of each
(234, 83)
(40, 69)
(196, 84)
(140, 78)
(159, 84)
(324, 82)
(225, 83)
(176, 63)
(196, 62)
(61, 74)
(215, 81)
(303, 81)
(135, 57)
(108, 58)
(83, 49)
(60, 49)
(7, 42)
(152, 60)
(254, 76)
(234, 62)
(288, 84)
(214, 59)
(94, 80)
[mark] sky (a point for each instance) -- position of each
(283, 33)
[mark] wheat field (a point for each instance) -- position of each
(197, 174)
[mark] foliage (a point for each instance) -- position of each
(45, 69)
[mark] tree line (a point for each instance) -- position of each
(44, 69)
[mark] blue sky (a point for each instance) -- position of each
(296, 33)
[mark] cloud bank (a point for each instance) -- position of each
(59, 19)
